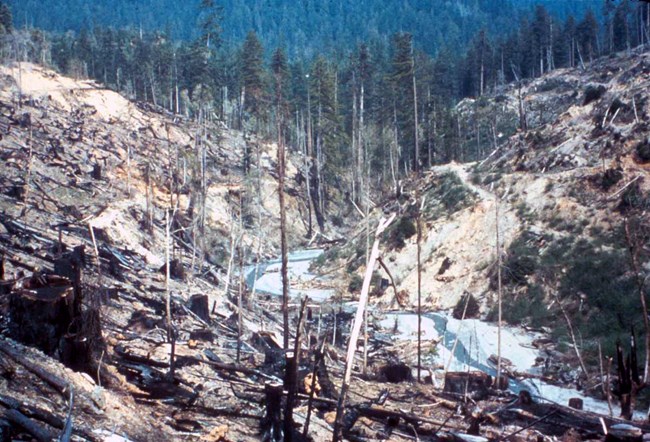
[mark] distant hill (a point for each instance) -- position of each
(303, 26)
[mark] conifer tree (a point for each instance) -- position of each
(587, 34)
(621, 26)
(6, 19)
(402, 80)
(328, 155)
(252, 77)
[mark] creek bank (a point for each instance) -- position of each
(458, 345)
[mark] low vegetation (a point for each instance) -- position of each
(590, 277)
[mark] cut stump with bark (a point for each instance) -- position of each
(41, 311)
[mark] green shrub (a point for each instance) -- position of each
(400, 232)
(591, 278)
(356, 282)
(471, 311)
(521, 261)
(529, 307)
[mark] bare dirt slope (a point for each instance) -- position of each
(572, 177)
(83, 166)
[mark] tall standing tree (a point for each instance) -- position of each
(402, 76)
(6, 19)
(587, 34)
(251, 65)
(328, 155)
(279, 68)
(210, 23)
(621, 26)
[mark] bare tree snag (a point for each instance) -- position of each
(634, 247)
(271, 423)
(498, 247)
(291, 375)
(320, 353)
(168, 303)
(419, 265)
(630, 380)
(574, 341)
(283, 240)
(356, 327)
(59, 384)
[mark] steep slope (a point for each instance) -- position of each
(572, 195)
(82, 168)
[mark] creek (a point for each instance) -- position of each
(462, 345)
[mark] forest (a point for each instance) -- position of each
(500, 147)
(366, 116)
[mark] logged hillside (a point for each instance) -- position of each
(89, 151)
(92, 181)
(569, 195)
(98, 193)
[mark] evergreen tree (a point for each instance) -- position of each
(587, 34)
(252, 76)
(329, 138)
(620, 26)
(6, 19)
(209, 23)
(568, 40)
(401, 75)
(541, 39)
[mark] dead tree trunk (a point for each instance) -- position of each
(419, 266)
(630, 383)
(498, 247)
(283, 239)
(356, 328)
(291, 375)
(272, 421)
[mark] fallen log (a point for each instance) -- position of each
(356, 326)
(59, 384)
(41, 434)
(475, 384)
(45, 416)
(234, 368)
(377, 412)
(218, 365)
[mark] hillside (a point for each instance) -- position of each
(305, 28)
(102, 339)
(572, 194)
(85, 175)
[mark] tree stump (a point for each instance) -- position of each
(576, 403)
(199, 305)
(271, 423)
(475, 383)
(41, 311)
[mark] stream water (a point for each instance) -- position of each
(463, 345)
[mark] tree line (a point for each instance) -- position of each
(363, 119)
